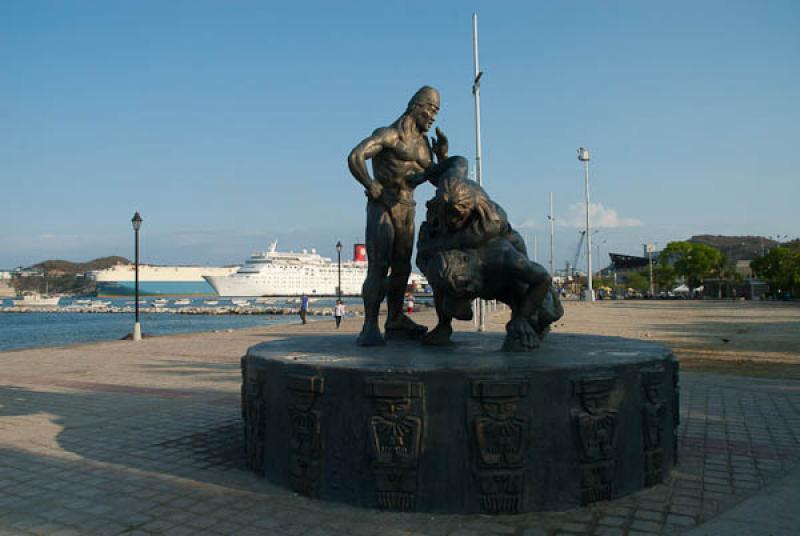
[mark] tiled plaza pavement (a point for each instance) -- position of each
(88, 459)
(145, 438)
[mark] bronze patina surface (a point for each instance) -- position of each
(467, 249)
(400, 153)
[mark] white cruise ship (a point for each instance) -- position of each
(275, 273)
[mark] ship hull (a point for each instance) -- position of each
(110, 289)
(248, 287)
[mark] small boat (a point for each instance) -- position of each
(240, 302)
(34, 299)
(99, 303)
(211, 302)
(183, 301)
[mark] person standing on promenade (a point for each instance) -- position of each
(410, 303)
(339, 312)
(304, 308)
(400, 154)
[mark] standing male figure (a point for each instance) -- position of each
(400, 154)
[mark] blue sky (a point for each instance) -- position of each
(227, 124)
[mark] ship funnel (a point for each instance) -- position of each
(359, 252)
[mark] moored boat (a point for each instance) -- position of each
(154, 280)
(34, 299)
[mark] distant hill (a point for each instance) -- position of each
(75, 268)
(737, 248)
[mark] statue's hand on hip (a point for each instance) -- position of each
(374, 191)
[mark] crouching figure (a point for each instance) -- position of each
(467, 250)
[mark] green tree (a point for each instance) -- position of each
(638, 281)
(780, 267)
(692, 261)
(664, 276)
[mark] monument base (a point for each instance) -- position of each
(465, 428)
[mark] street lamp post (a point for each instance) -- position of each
(137, 224)
(650, 249)
(339, 258)
(583, 156)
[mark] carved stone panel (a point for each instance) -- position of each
(501, 436)
(654, 413)
(395, 433)
(595, 422)
(254, 417)
(305, 440)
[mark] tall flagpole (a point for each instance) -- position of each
(552, 222)
(476, 91)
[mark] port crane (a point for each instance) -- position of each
(578, 253)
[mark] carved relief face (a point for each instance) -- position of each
(501, 409)
(393, 408)
(652, 394)
(595, 403)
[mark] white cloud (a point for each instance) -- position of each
(599, 216)
(529, 224)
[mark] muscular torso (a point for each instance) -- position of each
(399, 160)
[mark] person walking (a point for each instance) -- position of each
(304, 308)
(339, 312)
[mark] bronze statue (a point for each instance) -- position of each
(400, 154)
(467, 249)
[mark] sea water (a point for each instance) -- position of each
(30, 330)
(40, 329)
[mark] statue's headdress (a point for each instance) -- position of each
(425, 95)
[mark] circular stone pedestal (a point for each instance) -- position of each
(464, 428)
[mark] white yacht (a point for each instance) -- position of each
(34, 299)
(276, 273)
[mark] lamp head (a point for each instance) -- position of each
(339, 246)
(136, 221)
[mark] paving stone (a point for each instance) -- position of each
(684, 510)
(648, 515)
(680, 520)
(533, 531)
(652, 526)
(575, 528)
(612, 521)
